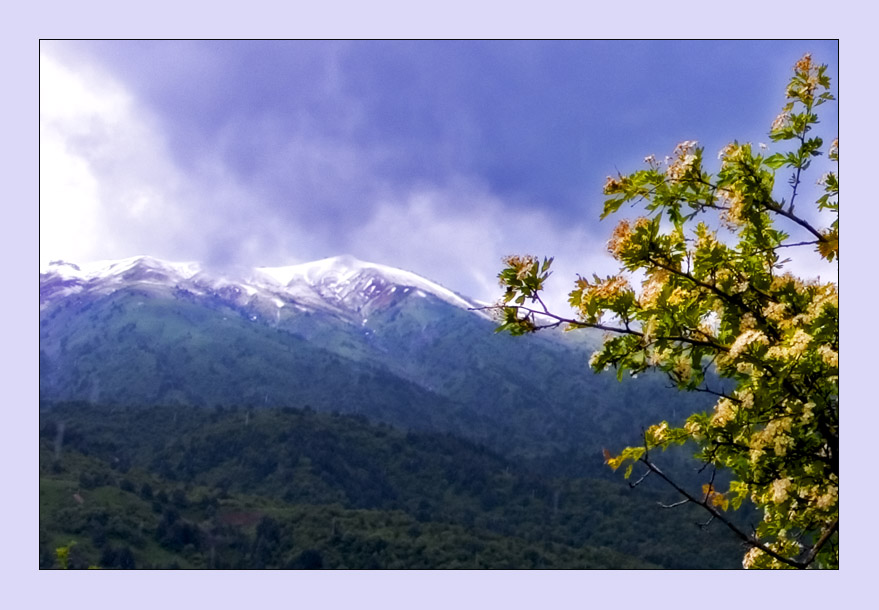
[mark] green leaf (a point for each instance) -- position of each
(611, 206)
(775, 161)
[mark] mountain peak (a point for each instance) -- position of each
(119, 267)
(343, 283)
(338, 267)
(335, 271)
(345, 260)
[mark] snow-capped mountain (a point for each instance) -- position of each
(336, 334)
(355, 285)
(63, 279)
(342, 285)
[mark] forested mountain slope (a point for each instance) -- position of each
(228, 487)
(341, 335)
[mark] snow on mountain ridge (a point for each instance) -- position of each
(341, 270)
(341, 284)
(107, 268)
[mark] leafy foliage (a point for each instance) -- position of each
(715, 298)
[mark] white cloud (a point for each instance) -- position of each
(462, 247)
(104, 184)
(109, 187)
(69, 198)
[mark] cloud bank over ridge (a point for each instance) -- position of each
(435, 157)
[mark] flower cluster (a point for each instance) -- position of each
(615, 185)
(724, 411)
(683, 161)
(744, 340)
(622, 235)
(733, 214)
(780, 489)
(810, 77)
(781, 122)
(523, 265)
(653, 286)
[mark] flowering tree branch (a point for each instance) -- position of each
(706, 307)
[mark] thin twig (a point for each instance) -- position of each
(639, 481)
(707, 523)
(681, 503)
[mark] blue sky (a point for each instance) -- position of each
(436, 157)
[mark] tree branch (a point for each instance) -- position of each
(559, 320)
(751, 540)
(771, 206)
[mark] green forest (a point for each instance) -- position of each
(237, 488)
